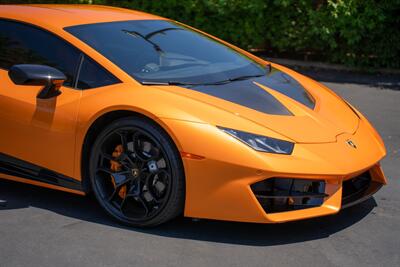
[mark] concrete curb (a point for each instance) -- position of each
(326, 66)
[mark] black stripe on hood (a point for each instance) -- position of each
(248, 94)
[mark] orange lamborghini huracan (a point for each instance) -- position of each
(159, 119)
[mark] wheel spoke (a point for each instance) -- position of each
(135, 193)
(144, 204)
(105, 170)
(136, 143)
(153, 151)
(124, 201)
(125, 160)
(123, 135)
(120, 179)
(135, 189)
(106, 156)
(115, 192)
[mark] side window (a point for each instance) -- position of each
(24, 44)
(92, 75)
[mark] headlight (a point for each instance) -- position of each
(261, 143)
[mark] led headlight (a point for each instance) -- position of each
(261, 143)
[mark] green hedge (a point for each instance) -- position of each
(362, 33)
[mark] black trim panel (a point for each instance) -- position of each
(16, 167)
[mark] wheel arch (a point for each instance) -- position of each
(98, 123)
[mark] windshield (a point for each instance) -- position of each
(158, 51)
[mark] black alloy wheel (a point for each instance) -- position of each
(136, 173)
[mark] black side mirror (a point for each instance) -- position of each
(29, 74)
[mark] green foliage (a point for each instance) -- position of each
(362, 33)
(355, 32)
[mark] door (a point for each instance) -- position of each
(37, 131)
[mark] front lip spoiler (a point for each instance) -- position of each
(368, 193)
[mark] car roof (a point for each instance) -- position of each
(60, 16)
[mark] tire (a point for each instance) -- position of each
(144, 185)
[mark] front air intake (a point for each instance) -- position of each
(286, 194)
(358, 189)
(354, 189)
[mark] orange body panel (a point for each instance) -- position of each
(41, 131)
(51, 133)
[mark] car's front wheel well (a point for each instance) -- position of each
(95, 129)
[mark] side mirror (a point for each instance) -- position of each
(29, 74)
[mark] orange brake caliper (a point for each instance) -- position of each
(116, 167)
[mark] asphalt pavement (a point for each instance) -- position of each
(41, 227)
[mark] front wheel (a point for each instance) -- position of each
(136, 173)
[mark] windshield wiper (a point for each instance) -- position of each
(244, 77)
(194, 84)
(239, 78)
(136, 34)
(149, 36)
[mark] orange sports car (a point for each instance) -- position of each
(159, 119)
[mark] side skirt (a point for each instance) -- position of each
(19, 168)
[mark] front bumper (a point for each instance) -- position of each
(218, 186)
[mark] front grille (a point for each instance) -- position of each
(286, 194)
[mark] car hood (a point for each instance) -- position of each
(283, 101)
